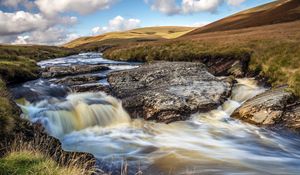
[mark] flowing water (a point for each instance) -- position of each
(208, 143)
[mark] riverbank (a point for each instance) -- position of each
(22, 142)
(182, 87)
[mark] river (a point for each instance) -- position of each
(207, 143)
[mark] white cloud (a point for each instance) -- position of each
(51, 36)
(117, 24)
(20, 22)
(54, 7)
(23, 27)
(235, 2)
(193, 6)
(167, 6)
(170, 7)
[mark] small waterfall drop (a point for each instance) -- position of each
(77, 112)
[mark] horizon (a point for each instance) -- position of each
(57, 22)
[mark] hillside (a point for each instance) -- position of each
(272, 13)
(141, 34)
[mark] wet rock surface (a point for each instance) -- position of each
(169, 91)
(78, 80)
(60, 71)
(91, 88)
(291, 118)
(276, 107)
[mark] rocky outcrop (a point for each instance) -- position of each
(59, 71)
(169, 91)
(276, 107)
(221, 65)
(291, 118)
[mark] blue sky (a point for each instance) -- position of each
(57, 21)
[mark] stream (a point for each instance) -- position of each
(207, 143)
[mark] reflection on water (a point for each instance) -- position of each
(208, 143)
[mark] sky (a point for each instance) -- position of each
(55, 22)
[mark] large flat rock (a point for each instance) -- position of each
(276, 107)
(59, 71)
(169, 91)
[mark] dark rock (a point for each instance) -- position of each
(291, 118)
(58, 71)
(91, 88)
(168, 91)
(224, 66)
(79, 80)
(268, 108)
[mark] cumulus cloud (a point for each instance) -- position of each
(193, 6)
(20, 22)
(167, 6)
(117, 24)
(235, 2)
(54, 7)
(23, 27)
(170, 7)
(51, 36)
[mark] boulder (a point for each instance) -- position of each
(59, 71)
(169, 91)
(78, 80)
(268, 108)
(91, 88)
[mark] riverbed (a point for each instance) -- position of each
(207, 143)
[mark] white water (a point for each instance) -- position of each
(208, 143)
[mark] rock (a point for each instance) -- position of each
(91, 88)
(267, 108)
(58, 71)
(79, 80)
(168, 91)
(291, 118)
(224, 66)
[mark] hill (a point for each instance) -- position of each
(141, 34)
(272, 13)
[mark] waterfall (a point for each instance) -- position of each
(76, 112)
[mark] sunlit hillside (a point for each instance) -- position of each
(148, 33)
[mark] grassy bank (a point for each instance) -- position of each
(35, 52)
(42, 155)
(19, 151)
(274, 50)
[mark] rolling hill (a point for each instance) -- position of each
(272, 13)
(141, 34)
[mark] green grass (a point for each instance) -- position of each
(8, 112)
(35, 52)
(30, 163)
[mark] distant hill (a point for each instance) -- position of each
(148, 33)
(272, 13)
